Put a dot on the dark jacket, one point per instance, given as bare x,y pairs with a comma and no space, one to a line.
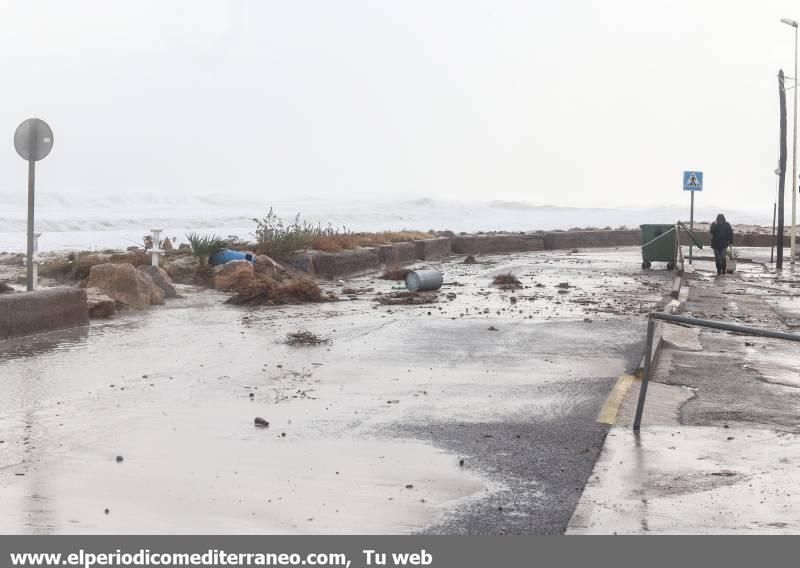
721,235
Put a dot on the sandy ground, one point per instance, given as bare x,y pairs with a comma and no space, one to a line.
367,432
718,449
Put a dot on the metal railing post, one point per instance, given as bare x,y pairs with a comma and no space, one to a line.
683,320
648,353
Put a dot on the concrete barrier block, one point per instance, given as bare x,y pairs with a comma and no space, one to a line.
24,313
397,253
430,249
333,265
588,239
497,244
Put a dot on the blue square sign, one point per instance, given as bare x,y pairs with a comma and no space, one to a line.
692,181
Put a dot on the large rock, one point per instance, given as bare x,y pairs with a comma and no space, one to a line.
181,269
161,279
100,305
125,285
5,288
234,276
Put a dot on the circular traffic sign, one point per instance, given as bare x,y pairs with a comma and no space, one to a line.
33,139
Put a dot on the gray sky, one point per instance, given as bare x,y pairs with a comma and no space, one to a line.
567,103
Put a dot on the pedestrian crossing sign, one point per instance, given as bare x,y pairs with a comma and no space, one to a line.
692,181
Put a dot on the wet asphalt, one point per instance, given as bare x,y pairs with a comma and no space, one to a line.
542,460
368,432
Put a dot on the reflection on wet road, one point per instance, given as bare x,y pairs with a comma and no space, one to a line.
366,433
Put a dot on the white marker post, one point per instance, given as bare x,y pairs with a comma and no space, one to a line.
35,260
155,252
692,181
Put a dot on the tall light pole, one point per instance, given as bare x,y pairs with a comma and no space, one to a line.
792,243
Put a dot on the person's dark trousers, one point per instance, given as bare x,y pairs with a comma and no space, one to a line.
719,258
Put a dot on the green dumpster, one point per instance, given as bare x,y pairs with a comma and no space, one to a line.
660,244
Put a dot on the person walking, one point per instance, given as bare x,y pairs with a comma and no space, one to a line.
721,239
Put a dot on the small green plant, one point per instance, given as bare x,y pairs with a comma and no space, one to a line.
203,246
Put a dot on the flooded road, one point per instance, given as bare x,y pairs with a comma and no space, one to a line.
411,419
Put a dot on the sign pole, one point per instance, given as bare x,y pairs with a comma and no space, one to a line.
31,183
691,227
33,141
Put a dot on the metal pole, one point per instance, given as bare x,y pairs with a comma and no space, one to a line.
648,353
736,328
31,182
772,250
781,169
792,242
691,228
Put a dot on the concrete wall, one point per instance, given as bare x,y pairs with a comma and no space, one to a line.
739,239
431,249
23,313
588,239
497,244
333,265
397,254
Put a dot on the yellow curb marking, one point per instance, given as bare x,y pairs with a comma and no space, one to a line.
608,414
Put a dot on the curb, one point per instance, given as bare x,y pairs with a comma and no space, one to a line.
669,305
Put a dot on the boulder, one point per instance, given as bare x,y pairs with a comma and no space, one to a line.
184,246
125,285
234,276
161,279
100,305
181,269
157,295
5,288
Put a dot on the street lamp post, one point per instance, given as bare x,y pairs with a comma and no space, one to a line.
792,242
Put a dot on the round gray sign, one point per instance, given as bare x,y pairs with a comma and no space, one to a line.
33,140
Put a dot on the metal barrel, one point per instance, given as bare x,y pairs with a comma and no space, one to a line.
424,280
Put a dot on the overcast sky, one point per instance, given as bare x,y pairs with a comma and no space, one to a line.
562,102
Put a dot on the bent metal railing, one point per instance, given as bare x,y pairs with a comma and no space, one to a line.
651,323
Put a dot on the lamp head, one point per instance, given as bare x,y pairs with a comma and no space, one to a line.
789,22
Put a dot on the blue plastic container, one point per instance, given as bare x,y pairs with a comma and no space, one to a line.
228,255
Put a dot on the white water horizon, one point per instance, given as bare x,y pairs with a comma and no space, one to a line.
72,222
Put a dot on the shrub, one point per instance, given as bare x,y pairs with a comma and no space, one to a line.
276,239
203,246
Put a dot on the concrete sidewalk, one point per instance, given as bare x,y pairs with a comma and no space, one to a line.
719,447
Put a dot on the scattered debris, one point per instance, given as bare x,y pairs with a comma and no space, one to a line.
260,422
493,328
410,298
270,294
395,274
305,337
356,291
507,281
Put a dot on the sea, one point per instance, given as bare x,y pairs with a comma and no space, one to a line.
81,222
